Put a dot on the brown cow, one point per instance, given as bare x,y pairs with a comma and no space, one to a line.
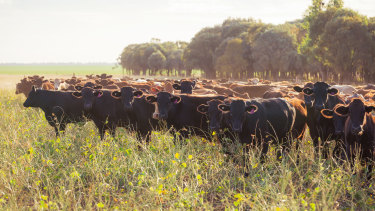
251,90
274,93
47,85
300,124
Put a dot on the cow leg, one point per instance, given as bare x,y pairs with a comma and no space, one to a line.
101,128
56,130
62,127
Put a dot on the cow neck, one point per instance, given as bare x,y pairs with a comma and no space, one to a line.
47,99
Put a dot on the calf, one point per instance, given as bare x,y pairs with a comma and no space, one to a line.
138,109
180,111
260,120
59,108
359,129
106,111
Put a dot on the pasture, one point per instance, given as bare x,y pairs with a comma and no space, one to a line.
58,69
79,171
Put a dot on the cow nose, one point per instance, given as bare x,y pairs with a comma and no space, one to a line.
163,116
155,115
127,107
357,130
319,107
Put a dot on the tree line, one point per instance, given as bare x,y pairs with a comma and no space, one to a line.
330,42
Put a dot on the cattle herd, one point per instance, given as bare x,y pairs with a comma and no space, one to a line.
254,112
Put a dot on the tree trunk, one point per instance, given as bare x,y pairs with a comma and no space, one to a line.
211,74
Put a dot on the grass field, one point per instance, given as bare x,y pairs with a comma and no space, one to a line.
60,69
79,171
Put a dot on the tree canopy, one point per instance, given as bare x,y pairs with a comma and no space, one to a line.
330,42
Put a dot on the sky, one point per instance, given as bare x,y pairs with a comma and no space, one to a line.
62,31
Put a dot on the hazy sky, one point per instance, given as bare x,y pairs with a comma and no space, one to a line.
98,30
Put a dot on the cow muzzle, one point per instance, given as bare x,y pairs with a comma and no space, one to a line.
358,131
127,107
163,116
319,107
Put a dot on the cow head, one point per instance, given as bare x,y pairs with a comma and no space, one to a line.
357,111
32,99
317,96
338,120
215,116
88,95
186,87
238,110
164,102
127,94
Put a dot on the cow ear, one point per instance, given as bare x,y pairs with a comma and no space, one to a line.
202,108
138,94
151,99
78,88
298,89
98,87
223,107
175,99
251,109
307,91
342,110
116,94
326,113
176,86
368,109
333,91
98,93
77,94
33,89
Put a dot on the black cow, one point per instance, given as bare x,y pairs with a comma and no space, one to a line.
339,128
185,86
320,97
180,111
359,129
106,111
338,121
59,108
261,120
138,109
218,122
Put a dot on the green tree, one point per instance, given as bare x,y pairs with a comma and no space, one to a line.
156,62
272,52
231,61
200,52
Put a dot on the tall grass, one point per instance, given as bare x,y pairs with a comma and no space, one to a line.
79,171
